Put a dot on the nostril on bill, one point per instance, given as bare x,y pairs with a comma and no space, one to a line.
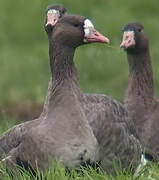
126,38
129,41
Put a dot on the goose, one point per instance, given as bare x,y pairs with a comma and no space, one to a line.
53,14
64,134
139,100
108,120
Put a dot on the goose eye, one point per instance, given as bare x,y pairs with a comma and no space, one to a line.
139,30
63,11
76,25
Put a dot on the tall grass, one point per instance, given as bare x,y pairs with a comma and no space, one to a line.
59,173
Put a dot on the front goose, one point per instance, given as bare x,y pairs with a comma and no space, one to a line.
115,133
64,134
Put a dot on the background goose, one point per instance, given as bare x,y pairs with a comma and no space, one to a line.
114,131
65,133
53,14
139,99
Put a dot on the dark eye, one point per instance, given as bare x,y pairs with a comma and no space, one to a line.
76,25
63,11
139,30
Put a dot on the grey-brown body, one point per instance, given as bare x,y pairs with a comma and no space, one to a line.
111,129
110,124
64,134
139,100
114,130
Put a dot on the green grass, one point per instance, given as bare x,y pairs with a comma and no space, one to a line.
24,62
58,172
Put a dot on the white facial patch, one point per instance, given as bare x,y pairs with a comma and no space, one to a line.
52,17
88,27
53,11
128,39
128,35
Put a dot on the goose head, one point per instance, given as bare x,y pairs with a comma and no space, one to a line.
74,30
134,38
53,14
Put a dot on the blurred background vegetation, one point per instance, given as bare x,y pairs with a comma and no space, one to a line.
24,61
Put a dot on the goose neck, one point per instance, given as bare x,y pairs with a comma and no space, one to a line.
140,87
